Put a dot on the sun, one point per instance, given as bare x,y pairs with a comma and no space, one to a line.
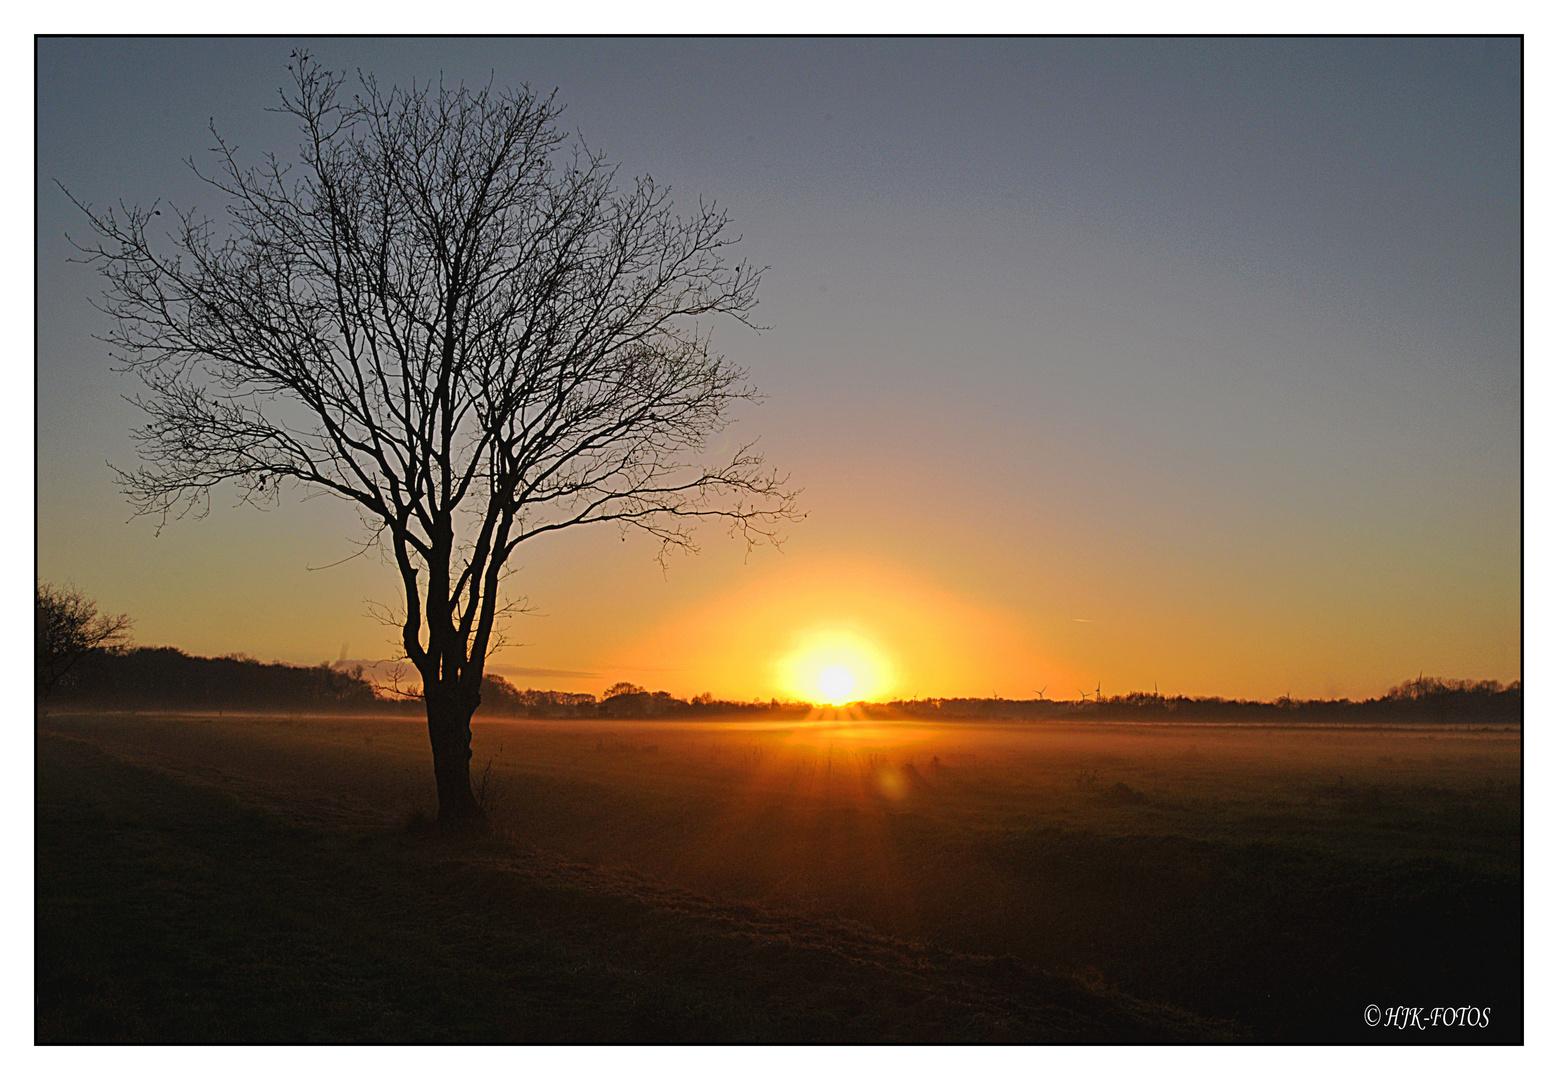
836,683
834,666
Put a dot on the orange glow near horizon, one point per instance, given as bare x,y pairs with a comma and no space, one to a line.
836,631
835,665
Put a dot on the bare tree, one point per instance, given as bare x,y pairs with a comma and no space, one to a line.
446,314
66,627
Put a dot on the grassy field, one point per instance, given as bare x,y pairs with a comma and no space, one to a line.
270,879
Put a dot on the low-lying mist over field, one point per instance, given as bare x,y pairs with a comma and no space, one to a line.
1274,878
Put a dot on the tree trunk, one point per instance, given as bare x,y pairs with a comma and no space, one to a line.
449,729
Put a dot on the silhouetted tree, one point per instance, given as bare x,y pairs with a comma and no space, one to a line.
66,627
443,315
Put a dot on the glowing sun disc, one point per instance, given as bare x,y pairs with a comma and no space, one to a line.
834,665
836,683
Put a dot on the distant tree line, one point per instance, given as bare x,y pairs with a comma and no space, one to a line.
166,678
1420,700
623,699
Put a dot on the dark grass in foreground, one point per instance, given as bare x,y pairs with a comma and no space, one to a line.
1278,879
169,912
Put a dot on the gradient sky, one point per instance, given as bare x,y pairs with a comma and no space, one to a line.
1187,363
